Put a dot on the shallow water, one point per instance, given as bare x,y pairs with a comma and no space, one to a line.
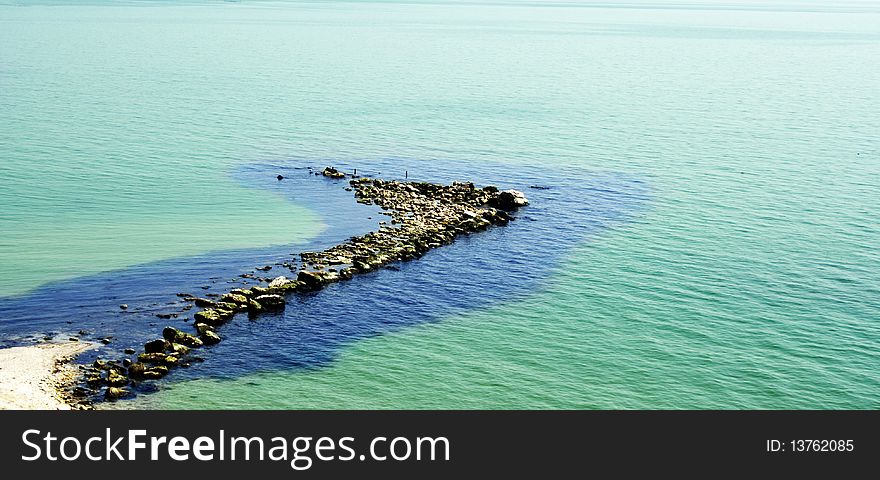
718,166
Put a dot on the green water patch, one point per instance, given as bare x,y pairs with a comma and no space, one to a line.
123,227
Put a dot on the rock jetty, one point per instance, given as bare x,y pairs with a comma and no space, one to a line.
422,216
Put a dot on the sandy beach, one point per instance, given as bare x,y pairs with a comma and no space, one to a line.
30,375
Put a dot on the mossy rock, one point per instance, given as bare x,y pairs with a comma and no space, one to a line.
210,316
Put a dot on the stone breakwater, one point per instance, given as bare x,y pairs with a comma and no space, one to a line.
422,216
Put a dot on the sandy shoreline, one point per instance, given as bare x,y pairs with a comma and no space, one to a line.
31,375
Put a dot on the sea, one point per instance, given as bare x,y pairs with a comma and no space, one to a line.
704,179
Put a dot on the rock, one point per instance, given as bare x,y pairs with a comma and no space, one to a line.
155,373
290,286
157,346
509,200
152,358
115,379
243,291
204,303
129,351
123,306
210,338
361,266
126,362
172,360
233,298
211,317
229,306
311,280
136,370
497,217
254,307
332,173
347,273
105,341
278,282
280,177
265,268
270,302
176,336
203,327
179,349
114,393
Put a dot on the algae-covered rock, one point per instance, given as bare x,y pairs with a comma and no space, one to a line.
243,291
179,349
233,298
311,280
270,302
332,173
209,316
254,307
203,327
136,370
204,303
210,338
155,373
114,393
152,358
116,379
174,335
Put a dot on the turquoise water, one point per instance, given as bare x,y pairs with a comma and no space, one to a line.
748,279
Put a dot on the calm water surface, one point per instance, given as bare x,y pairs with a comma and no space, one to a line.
709,239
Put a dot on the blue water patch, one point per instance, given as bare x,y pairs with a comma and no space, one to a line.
503,264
